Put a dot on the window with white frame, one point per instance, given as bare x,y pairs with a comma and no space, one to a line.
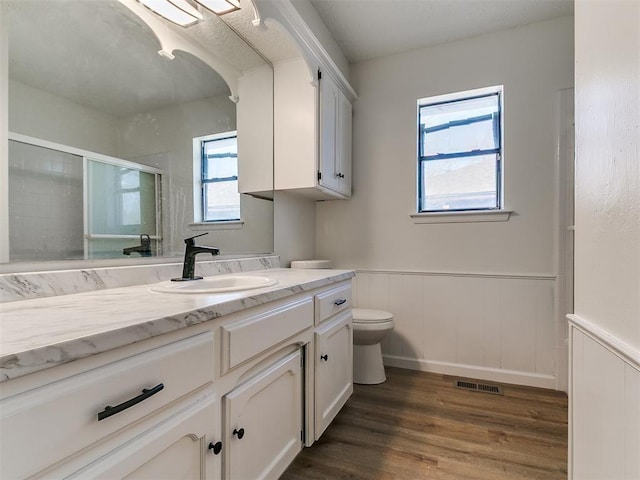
218,177
460,151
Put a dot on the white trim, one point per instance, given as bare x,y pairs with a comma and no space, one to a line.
85,208
570,422
314,53
622,350
472,371
38,142
468,216
509,276
225,225
464,94
115,236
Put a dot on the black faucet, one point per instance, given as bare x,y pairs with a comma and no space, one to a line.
189,267
144,249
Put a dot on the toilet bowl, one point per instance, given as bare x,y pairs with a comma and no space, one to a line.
369,328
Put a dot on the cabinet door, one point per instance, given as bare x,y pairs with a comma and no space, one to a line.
343,145
176,449
263,421
334,370
329,98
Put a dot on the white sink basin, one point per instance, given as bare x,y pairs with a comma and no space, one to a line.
221,284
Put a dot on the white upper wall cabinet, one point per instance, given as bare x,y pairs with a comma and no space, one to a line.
312,133
335,138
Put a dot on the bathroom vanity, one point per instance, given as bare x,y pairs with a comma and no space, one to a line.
131,383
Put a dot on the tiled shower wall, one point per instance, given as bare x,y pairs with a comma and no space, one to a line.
492,327
45,204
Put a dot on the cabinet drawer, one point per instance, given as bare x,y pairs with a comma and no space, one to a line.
332,301
250,336
43,426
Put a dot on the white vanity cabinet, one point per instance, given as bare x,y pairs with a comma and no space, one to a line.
236,397
107,421
176,448
263,421
334,355
312,133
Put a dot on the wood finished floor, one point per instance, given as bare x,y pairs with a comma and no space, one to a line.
418,426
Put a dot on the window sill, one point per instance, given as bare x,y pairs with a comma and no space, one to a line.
202,226
462,217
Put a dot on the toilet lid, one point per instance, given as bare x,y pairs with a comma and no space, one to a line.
366,315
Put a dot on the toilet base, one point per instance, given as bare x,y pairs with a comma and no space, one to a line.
368,368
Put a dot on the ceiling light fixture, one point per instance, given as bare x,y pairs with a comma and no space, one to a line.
220,7
183,13
179,12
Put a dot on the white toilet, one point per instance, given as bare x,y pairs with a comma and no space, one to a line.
369,328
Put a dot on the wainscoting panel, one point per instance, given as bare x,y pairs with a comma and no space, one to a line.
604,406
493,327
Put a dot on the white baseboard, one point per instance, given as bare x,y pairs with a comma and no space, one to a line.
472,371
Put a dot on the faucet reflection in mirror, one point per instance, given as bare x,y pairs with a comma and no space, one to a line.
183,13
144,249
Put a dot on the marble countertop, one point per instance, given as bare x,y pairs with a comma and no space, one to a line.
41,333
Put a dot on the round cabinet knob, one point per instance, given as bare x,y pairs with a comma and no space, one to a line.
238,433
216,447
324,357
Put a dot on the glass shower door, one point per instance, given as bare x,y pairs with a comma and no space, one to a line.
122,215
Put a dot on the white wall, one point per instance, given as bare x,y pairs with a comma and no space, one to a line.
605,362
374,233
42,115
608,168
294,227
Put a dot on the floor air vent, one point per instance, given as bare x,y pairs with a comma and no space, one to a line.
478,387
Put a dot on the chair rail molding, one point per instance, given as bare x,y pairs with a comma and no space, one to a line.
511,276
612,343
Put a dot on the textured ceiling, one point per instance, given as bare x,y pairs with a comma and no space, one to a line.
98,54
366,29
273,43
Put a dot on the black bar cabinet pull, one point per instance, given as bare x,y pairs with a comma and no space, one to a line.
340,302
146,393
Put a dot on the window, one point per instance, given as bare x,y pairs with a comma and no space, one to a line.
218,177
460,151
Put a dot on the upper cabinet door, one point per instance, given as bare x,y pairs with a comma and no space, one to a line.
329,122
343,144
335,138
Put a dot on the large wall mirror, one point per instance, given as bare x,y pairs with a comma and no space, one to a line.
117,152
